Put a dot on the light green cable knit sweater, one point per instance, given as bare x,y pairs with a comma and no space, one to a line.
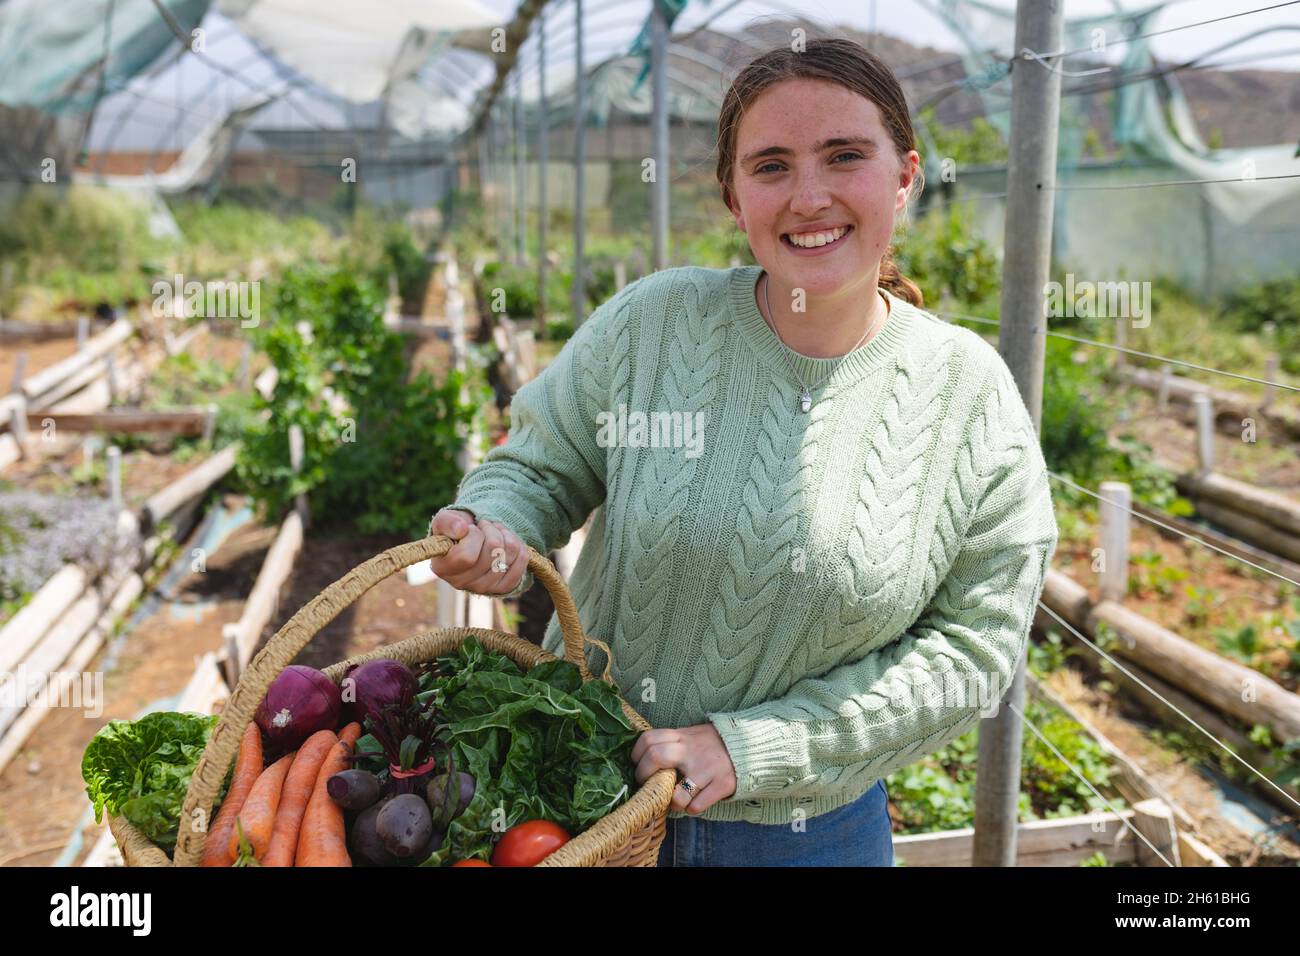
822,586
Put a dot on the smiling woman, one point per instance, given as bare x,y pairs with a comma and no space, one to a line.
861,524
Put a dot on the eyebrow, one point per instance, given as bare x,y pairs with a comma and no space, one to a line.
817,148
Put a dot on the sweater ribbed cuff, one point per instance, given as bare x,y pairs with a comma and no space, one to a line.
760,751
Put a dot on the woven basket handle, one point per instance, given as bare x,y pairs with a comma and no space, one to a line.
311,618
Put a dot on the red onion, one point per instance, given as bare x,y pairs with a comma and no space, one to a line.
301,701
370,687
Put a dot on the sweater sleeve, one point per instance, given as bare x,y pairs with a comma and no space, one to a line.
549,475
858,722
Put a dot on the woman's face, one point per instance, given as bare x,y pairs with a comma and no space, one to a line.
788,179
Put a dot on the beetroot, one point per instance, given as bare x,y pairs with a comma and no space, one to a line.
370,687
301,701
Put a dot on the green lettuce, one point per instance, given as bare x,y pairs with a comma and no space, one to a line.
141,769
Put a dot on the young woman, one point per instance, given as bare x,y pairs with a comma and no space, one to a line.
822,519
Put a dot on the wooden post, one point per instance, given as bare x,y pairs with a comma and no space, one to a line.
210,424
1031,181
1271,372
296,449
245,359
234,666
1155,821
20,369
88,446
1121,340
1204,432
83,330
1162,393
18,424
115,476
1116,503
114,384
620,275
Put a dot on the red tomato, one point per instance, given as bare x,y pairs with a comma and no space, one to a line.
473,862
528,843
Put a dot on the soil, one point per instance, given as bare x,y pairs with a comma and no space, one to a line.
389,612
40,355
1271,461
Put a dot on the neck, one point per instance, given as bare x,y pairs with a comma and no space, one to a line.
830,326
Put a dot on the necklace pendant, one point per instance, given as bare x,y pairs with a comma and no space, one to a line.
805,401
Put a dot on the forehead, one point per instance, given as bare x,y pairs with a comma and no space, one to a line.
797,110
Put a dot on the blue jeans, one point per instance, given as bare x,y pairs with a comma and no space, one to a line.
856,834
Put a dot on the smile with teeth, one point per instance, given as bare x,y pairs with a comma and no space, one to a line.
813,240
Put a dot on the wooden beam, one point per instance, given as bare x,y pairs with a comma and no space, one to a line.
188,487
1059,842
95,348
179,422
1211,677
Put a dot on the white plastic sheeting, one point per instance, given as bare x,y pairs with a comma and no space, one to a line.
355,50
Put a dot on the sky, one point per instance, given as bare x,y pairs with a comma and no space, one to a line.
614,23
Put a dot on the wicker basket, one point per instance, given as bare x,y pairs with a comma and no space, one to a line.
630,836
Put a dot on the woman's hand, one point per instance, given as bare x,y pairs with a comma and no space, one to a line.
698,753
468,566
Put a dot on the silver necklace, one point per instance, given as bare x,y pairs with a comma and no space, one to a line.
805,391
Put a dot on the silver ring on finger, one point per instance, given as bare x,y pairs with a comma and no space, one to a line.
500,566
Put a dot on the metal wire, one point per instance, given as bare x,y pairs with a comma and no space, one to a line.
1129,351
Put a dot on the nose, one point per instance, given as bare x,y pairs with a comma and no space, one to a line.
811,194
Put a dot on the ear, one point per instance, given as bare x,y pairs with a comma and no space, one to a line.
729,198
910,165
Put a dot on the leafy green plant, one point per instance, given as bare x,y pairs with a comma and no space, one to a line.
1200,602
1240,643
384,459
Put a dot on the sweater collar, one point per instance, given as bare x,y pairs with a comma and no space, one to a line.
877,352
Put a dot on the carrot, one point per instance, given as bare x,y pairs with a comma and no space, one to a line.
293,798
321,838
350,735
248,767
257,815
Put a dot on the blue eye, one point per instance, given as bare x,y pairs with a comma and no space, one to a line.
852,154
855,155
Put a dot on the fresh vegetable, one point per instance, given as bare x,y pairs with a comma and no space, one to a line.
141,769
294,796
322,839
301,701
402,741
472,862
363,840
448,795
369,688
354,789
248,767
404,825
349,735
529,843
544,745
257,815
